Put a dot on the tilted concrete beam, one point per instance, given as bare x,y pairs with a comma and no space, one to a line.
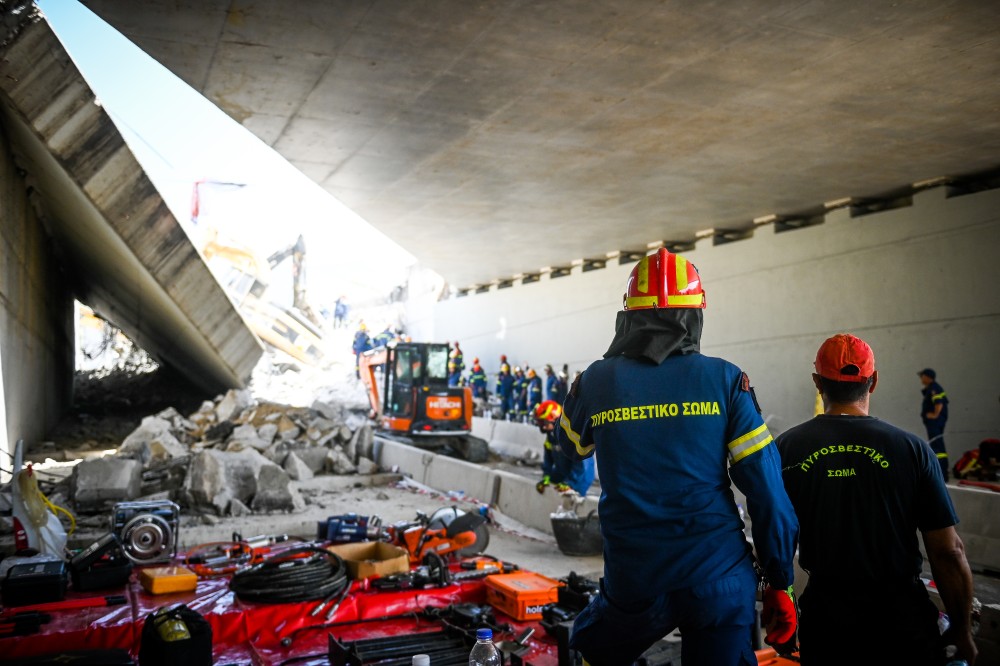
124,251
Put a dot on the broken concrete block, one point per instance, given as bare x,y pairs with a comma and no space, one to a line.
273,492
217,477
360,444
244,432
314,457
177,420
344,433
245,437
328,410
287,430
268,432
318,428
296,469
152,442
238,509
367,466
338,463
100,482
233,404
220,431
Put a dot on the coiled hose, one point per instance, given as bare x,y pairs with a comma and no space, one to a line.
304,573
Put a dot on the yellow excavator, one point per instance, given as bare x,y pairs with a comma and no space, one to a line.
245,278
411,401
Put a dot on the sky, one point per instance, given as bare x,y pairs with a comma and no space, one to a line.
180,138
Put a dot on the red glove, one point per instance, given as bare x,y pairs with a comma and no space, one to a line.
779,617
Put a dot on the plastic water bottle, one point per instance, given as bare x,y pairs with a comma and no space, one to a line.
484,653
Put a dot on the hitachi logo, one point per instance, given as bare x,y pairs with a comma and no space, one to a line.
444,403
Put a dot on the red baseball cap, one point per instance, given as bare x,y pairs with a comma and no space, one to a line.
845,358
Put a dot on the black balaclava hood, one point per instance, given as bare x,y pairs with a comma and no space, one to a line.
656,333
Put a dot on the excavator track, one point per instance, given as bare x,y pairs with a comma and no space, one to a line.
465,447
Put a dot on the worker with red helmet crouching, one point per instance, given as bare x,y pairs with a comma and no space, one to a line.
670,428
559,470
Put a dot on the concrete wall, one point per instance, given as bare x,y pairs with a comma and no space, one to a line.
36,316
919,283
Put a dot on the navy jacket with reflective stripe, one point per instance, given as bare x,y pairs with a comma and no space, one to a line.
668,438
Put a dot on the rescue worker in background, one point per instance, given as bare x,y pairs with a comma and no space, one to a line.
520,395
477,379
362,343
532,391
552,385
670,428
456,356
384,338
862,488
454,374
558,469
505,389
934,414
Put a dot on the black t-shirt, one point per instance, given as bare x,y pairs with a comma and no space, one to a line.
862,488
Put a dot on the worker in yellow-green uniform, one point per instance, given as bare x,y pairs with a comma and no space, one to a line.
672,431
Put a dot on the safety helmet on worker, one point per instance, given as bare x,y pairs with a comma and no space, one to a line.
548,410
663,280
531,373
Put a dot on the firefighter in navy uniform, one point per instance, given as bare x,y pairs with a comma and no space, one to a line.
670,428
559,470
532,391
477,380
934,414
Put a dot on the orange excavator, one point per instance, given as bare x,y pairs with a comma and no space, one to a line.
411,401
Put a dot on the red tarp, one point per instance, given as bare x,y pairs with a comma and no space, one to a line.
250,632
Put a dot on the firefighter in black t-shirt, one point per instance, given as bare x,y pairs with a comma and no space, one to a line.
862,489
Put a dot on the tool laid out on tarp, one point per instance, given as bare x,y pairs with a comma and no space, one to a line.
34,582
100,565
147,530
349,528
23,624
303,573
71,604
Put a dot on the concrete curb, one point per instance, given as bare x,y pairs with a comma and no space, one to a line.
512,495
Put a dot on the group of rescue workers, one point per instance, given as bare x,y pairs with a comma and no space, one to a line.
672,428
518,392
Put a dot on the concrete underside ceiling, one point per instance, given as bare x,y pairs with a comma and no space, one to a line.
124,253
493,139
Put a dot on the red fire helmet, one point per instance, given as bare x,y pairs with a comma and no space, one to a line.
663,280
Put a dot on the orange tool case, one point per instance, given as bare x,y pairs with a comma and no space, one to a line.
522,594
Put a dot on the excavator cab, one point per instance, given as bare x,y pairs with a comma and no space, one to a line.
408,390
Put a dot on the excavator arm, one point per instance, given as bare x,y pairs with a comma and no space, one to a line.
366,367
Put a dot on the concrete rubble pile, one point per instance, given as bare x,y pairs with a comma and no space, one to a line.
232,457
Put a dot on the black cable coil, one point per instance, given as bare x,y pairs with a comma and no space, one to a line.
289,577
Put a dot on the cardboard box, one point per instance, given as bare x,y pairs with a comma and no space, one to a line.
522,594
372,558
